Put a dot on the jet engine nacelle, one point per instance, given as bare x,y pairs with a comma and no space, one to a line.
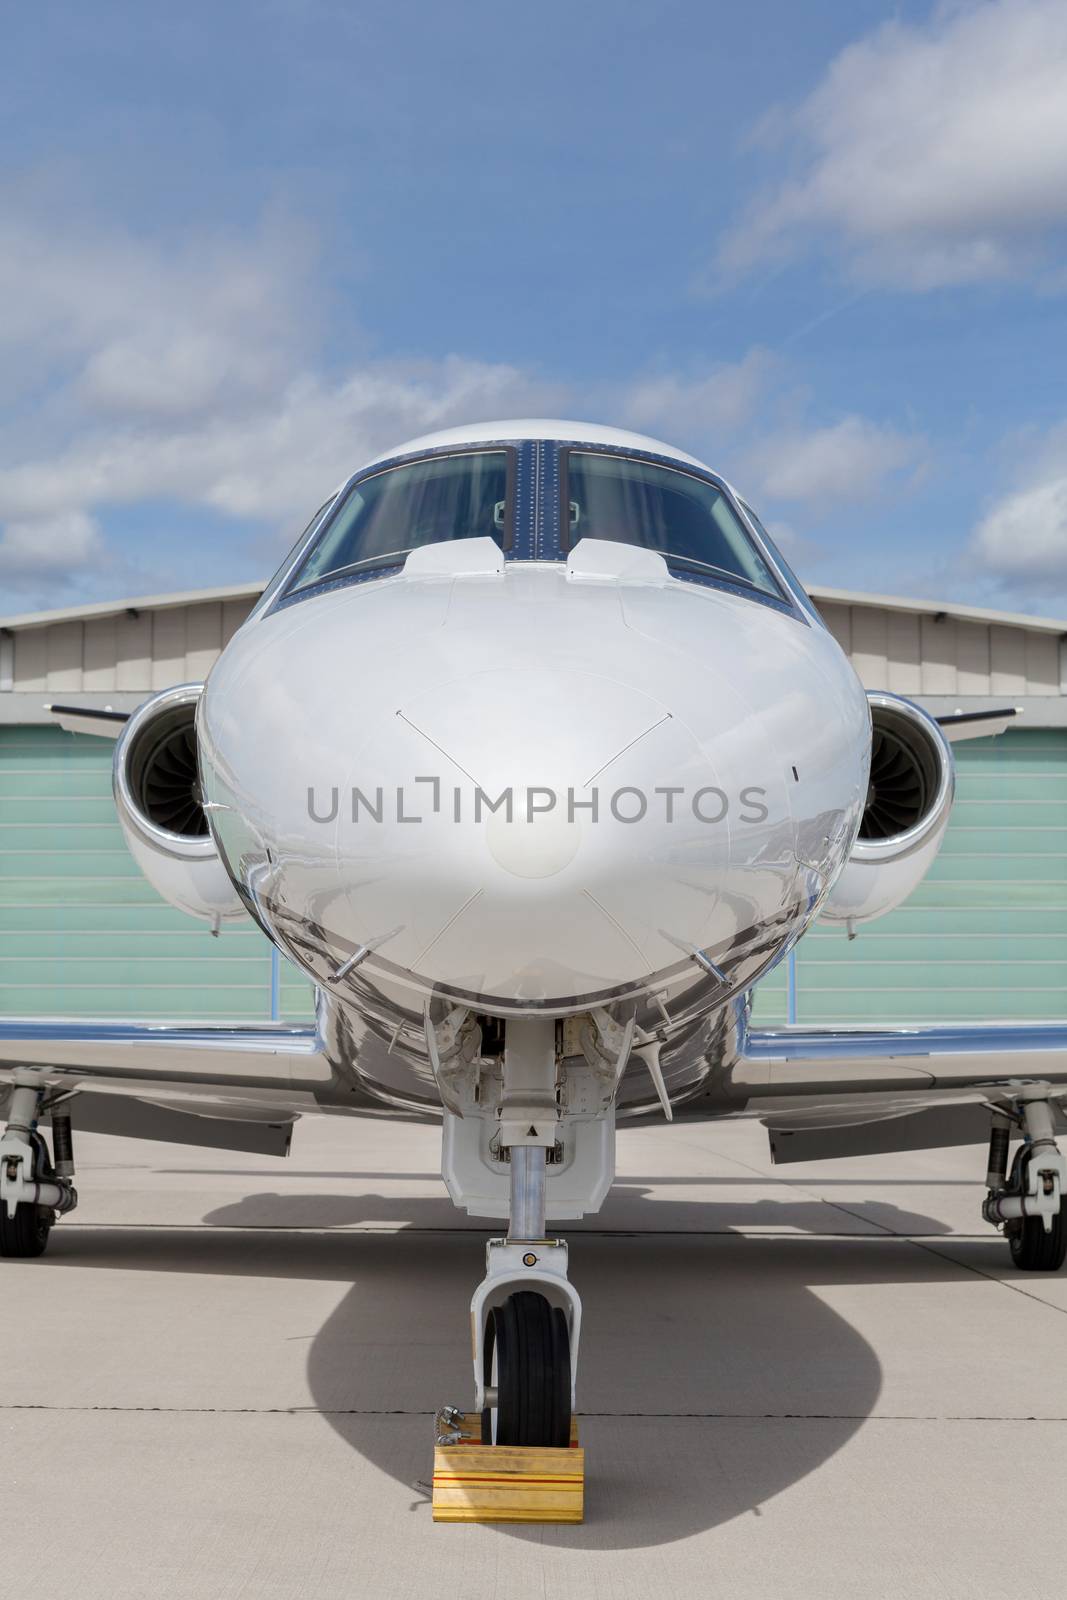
909,798
157,794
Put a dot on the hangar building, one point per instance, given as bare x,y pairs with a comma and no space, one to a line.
82,934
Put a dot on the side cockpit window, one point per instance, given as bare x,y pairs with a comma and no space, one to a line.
776,554
275,584
689,520
386,515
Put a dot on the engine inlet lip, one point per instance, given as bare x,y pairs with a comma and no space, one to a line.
127,772
904,716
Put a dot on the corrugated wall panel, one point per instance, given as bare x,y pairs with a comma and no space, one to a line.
100,653
905,656
1042,663
133,665
31,660
168,647
203,641
937,647
909,652
1007,659
972,661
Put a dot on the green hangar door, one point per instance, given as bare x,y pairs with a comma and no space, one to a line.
984,937
81,932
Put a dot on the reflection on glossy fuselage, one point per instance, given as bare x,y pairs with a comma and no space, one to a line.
533,727
532,790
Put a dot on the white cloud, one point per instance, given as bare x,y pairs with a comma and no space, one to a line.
275,462
847,462
1023,539
57,549
1018,550
192,376
156,328
162,376
702,408
936,152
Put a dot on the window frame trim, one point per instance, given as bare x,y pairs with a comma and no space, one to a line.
279,579
785,574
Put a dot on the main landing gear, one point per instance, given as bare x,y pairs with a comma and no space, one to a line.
1030,1201
34,1190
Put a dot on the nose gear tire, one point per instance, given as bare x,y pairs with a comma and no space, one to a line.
528,1361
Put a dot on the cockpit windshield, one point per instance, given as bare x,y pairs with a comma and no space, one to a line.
385,516
687,519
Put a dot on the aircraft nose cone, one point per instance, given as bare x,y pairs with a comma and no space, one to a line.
520,788
538,839
533,843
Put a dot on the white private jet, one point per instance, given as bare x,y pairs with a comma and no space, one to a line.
535,757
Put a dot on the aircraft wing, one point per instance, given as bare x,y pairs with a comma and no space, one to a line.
264,1055
217,1085
101,721
959,725
838,1091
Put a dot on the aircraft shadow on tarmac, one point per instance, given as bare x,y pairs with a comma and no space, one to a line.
632,1207
709,1358
714,1370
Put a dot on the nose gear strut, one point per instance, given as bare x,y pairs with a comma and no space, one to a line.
525,1315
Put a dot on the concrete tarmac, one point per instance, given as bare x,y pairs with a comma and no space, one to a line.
806,1381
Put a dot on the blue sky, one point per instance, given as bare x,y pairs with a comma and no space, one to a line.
244,247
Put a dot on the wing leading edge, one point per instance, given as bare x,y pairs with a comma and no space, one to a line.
270,1056
840,1091
218,1086
840,1060
820,1091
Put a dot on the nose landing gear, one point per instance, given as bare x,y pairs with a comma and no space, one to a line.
1030,1202
525,1314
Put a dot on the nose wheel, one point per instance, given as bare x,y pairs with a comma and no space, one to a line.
525,1314
527,1372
